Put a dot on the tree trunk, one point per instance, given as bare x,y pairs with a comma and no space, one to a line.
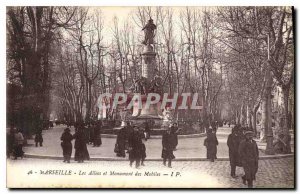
287,137
249,117
254,118
268,112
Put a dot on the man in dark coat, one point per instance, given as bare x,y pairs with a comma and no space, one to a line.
211,143
97,134
168,145
66,144
174,133
81,152
120,143
135,147
147,130
248,152
143,154
38,139
233,143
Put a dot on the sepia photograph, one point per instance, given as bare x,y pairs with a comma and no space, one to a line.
150,97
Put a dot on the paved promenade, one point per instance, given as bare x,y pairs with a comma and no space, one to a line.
187,147
194,169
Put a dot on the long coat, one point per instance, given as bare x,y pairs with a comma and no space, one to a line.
97,135
248,152
136,146
38,137
18,144
233,143
174,135
121,139
81,152
211,143
168,144
66,144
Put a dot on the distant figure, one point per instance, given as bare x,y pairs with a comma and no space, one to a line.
38,139
213,125
248,152
120,143
135,147
211,143
280,145
174,133
147,131
66,144
18,145
149,32
50,124
233,143
81,152
168,145
91,137
128,132
143,154
97,134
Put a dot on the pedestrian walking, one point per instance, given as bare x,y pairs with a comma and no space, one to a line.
81,152
18,145
174,134
211,143
91,134
66,144
233,143
120,143
97,134
248,152
168,145
135,147
38,139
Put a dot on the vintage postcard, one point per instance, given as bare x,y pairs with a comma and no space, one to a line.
150,97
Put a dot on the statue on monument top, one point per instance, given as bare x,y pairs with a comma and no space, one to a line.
149,32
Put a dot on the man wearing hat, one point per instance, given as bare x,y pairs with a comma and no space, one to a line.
233,143
135,147
248,152
174,134
66,144
168,145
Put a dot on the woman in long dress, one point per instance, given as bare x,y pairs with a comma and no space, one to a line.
81,152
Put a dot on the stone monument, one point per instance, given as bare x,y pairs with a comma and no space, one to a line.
149,82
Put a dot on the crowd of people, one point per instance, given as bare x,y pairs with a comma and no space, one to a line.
243,150
89,134
130,139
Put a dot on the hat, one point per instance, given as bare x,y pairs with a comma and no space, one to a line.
248,132
67,130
